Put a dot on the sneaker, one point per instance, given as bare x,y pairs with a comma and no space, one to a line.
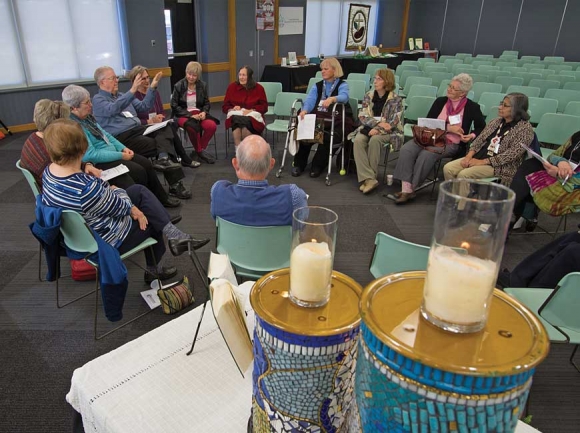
163,164
179,191
194,164
206,157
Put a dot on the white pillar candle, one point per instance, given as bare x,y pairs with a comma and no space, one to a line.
458,287
310,271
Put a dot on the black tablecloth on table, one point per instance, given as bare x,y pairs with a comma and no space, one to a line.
358,65
293,79
417,54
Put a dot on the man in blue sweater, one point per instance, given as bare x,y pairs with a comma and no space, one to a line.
252,201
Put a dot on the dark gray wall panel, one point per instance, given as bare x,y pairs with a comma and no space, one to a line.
539,26
146,22
568,42
460,26
246,35
498,26
213,21
426,21
390,22
293,43
217,82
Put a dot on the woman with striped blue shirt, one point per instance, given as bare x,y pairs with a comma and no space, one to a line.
121,218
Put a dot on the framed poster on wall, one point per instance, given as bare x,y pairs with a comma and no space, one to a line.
357,28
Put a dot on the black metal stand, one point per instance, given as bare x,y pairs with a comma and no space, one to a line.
203,275
5,127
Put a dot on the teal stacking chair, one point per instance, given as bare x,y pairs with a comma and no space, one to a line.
463,55
463,68
412,81
357,89
437,77
254,251
449,63
477,63
489,100
486,69
544,85
402,68
417,106
283,109
556,308
445,57
540,106
318,74
442,90
507,58
372,68
573,108
507,81
435,67
424,61
554,59
530,66
545,73
529,59
513,69
503,65
563,97
555,129
572,85
421,90
492,113
484,56
78,236
392,255
494,74
479,88
479,78
360,77
407,74
311,83
562,79
272,90
510,53
560,67
530,92
527,76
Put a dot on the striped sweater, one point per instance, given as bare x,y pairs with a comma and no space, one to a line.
104,209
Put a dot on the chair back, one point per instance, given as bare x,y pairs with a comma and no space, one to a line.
318,74
421,90
554,59
530,92
544,85
492,113
418,106
437,77
445,57
563,97
572,85
354,108
529,59
357,89
562,79
463,55
29,178
494,74
401,68
311,83
489,100
393,255
531,66
477,63
424,61
486,69
432,67
540,106
573,108
412,81
562,306
502,65
527,76
479,88
254,251
460,68
510,53
360,77
484,56
480,78
507,81
449,63
272,90
407,74
76,233
372,67
284,101
555,128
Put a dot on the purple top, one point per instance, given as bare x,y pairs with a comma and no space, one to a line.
156,108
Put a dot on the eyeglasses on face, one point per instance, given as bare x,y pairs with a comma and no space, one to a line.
113,78
503,104
455,89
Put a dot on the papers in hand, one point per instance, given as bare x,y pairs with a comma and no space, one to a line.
536,155
156,126
431,123
114,172
306,127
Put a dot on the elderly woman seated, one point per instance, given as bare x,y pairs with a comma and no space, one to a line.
381,123
463,121
498,150
108,152
121,218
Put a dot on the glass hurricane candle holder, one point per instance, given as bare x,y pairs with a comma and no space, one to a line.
471,224
312,255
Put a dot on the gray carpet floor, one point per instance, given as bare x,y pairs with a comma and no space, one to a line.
41,346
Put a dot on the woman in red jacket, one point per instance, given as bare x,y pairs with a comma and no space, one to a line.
245,104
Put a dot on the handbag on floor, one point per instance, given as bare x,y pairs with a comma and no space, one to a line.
82,271
426,137
175,297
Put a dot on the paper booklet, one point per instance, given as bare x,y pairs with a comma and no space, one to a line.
230,304
114,172
156,126
536,155
431,123
306,127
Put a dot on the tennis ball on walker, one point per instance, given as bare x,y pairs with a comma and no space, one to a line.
342,172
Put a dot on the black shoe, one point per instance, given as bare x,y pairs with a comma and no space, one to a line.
165,274
180,246
163,164
171,202
175,219
206,157
315,173
179,191
531,225
296,171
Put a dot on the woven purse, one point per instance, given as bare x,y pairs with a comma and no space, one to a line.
176,297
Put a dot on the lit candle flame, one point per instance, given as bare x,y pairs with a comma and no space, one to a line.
465,245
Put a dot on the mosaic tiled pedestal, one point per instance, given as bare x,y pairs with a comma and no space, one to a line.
412,376
304,358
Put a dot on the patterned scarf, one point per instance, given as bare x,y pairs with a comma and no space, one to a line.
454,111
90,124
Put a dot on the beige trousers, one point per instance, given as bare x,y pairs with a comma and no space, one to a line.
367,153
454,170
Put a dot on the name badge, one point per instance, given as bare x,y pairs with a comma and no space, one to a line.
127,114
320,107
494,145
455,120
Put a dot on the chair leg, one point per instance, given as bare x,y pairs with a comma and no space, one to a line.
386,161
576,366
59,305
40,263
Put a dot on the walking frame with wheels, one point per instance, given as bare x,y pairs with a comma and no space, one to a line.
292,125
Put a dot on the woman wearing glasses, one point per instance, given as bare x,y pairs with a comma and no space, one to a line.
498,150
463,122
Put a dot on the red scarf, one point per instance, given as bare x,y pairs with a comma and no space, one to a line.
451,111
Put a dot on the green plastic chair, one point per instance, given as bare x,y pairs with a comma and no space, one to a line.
540,106
372,68
563,97
412,81
480,87
311,83
486,69
556,129
478,63
513,69
445,57
572,85
484,56
502,65
574,65
530,92
544,85
442,90
407,74
422,90
438,77
573,108
510,53
490,99
272,90
318,74
556,308
545,73
402,68
460,68
424,61
560,67
492,113
283,108
435,67
554,59
494,74
480,78
254,251
463,55
357,89
529,59
530,66
527,76
392,255
507,81
360,77
449,63
78,236
507,58
562,79
417,106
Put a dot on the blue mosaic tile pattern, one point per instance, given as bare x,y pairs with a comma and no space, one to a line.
387,401
301,383
444,380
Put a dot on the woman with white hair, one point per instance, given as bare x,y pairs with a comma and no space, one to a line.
105,151
463,122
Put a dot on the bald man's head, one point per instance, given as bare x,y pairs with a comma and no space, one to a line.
253,158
